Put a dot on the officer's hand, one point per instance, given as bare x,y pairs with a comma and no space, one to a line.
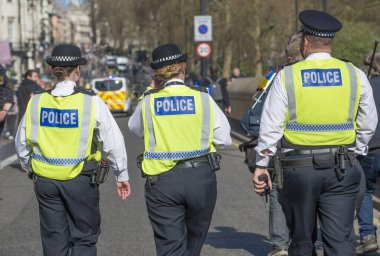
123,189
228,110
260,185
3,114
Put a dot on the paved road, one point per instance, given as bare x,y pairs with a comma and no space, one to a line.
239,226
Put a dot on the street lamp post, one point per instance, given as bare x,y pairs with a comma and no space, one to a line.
203,60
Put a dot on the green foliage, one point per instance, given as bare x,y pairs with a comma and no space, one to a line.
355,41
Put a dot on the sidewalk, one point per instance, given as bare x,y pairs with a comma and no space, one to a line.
7,152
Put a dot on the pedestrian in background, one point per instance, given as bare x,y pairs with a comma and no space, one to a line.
180,126
217,88
322,112
6,98
26,89
60,142
371,167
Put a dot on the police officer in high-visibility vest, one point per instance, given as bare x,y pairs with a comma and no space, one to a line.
60,140
322,112
180,126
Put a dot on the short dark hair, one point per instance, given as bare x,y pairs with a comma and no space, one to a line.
29,72
318,42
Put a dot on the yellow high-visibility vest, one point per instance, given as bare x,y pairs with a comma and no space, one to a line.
178,124
323,99
60,131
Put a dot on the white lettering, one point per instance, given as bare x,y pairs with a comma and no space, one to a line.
73,118
66,118
166,105
51,117
320,79
44,115
306,77
313,77
336,77
190,105
159,105
329,76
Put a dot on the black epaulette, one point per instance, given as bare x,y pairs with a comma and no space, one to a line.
344,60
199,88
152,91
291,63
84,91
41,91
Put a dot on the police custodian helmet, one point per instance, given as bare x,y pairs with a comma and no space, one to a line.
66,55
319,23
167,54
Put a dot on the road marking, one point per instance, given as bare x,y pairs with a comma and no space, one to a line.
8,161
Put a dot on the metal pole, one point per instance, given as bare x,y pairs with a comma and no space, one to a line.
324,5
203,60
296,14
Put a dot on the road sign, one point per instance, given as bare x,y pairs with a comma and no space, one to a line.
202,28
203,50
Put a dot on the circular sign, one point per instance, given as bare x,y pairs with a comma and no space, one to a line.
203,50
203,29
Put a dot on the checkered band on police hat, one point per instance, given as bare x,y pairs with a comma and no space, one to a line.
173,57
317,33
64,58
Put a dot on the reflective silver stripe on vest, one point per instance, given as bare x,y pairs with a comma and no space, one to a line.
148,113
34,122
205,119
85,129
353,91
289,84
178,155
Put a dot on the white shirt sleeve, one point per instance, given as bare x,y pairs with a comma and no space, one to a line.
135,122
366,119
23,149
222,127
272,121
112,140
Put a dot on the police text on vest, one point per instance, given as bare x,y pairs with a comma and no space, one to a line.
321,77
175,105
62,118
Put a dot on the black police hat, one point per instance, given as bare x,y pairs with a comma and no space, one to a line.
165,55
319,23
66,55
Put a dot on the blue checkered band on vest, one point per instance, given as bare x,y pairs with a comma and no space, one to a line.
320,127
58,161
176,155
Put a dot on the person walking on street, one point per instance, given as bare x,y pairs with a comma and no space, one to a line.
6,98
180,126
217,88
26,89
322,112
371,167
60,142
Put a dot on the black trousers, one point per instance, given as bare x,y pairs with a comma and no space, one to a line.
309,193
180,206
69,216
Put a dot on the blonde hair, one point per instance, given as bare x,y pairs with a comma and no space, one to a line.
166,73
375,70
293,48
62,72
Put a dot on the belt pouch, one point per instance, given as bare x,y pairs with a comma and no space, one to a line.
324,161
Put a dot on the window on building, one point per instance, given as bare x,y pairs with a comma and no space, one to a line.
11,22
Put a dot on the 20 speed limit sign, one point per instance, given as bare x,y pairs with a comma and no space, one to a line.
203,50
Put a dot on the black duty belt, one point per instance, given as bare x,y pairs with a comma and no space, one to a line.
297,152
193,163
